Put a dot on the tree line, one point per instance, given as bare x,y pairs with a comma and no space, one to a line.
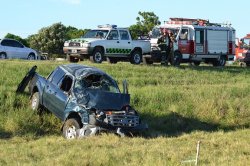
51,39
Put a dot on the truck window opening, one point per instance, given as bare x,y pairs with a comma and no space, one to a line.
99,82
66,84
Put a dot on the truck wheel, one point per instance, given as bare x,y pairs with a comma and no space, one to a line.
176,59
3,55
220,62
97,56
111,60
69,128
147,61
248,64
136,57
35,101
31,56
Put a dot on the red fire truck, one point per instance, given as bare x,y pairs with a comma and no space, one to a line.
242,50
198,41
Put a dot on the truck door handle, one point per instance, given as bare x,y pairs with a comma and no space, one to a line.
118,42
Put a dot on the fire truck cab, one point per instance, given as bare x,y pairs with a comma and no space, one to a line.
242,50
197,41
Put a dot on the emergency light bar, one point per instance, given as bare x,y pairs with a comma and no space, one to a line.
187,21
190,21
107,26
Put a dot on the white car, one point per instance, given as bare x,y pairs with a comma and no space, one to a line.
10,48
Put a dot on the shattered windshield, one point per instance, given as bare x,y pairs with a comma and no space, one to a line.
98,82
101,34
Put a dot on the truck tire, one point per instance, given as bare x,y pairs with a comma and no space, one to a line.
69,128
111,60
72,59
136,57
35,102
220,62
175,60
3,55
97,56
21,87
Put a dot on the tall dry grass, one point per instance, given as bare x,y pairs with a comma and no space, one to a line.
181,106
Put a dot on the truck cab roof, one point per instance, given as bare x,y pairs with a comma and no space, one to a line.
82,70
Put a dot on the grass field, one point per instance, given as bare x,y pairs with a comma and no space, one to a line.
181,106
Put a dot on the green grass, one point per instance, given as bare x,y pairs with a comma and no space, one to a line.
181,106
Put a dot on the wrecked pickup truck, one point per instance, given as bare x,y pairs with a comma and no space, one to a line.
86,99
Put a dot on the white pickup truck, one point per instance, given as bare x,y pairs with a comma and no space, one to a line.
107,42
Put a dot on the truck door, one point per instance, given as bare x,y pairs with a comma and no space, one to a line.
200,45
50,93
62,95
125,42
112,43
185,45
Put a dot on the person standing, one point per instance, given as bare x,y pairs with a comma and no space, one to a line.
164,44
171,46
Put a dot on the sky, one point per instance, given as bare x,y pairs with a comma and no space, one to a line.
26,17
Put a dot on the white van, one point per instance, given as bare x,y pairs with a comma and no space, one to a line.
10,48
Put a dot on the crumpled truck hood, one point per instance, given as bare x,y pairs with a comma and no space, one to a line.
102,100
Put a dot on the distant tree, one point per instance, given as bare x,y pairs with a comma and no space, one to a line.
137,30
145,23
49,39
72,32
18,38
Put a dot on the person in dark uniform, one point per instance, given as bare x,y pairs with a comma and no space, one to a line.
164,43
171,46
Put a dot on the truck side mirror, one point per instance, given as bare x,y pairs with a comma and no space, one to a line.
125,87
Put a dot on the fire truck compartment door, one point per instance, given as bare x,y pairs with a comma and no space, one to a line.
200,41
217,41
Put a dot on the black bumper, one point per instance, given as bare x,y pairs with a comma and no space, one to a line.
138,128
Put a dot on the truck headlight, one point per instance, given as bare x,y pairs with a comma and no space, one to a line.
66,44
86,44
